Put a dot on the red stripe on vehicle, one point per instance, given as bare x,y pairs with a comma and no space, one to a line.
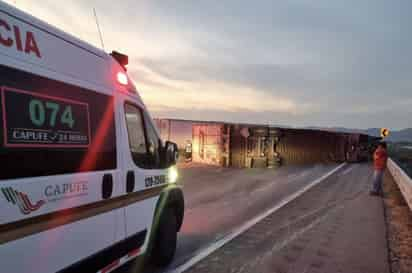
23,204
111,266
26,201
134,252
39,204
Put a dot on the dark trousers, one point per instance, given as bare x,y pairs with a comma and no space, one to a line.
377,180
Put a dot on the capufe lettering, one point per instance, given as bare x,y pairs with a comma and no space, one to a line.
65,189
32,136
23,41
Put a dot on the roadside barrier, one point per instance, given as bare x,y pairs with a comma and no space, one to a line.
403,180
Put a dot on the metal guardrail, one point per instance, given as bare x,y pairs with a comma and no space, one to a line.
403,180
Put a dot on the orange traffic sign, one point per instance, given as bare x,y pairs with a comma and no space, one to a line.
384,132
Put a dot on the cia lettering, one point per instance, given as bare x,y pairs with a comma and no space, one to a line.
23,41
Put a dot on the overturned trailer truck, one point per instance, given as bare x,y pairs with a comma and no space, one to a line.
271,147
254,146
262,146
235,145
178,131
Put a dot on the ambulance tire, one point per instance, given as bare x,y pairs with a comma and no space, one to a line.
166,239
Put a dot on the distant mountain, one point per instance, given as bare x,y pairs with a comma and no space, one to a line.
404,135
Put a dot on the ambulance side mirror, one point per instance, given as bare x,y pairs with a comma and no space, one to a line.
171,153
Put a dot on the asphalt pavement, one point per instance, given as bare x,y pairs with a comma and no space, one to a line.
219,200
336,226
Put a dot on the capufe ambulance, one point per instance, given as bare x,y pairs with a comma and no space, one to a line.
86,184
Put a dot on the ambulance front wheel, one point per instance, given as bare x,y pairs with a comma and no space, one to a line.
166,239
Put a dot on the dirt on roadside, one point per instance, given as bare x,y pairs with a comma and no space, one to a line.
399,227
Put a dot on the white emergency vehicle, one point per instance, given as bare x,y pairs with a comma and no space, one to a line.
86,184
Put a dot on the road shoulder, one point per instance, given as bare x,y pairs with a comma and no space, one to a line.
399,226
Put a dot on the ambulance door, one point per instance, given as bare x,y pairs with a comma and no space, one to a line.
141,174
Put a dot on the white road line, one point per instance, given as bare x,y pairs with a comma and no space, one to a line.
203,253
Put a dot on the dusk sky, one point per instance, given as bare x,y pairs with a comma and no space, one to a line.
297,63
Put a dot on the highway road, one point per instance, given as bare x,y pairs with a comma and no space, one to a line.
220,200
336,226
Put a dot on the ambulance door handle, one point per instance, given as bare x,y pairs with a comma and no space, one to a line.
130,181
107,186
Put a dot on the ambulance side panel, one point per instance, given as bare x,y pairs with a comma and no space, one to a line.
58,151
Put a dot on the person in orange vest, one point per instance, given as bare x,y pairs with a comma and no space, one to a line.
380,157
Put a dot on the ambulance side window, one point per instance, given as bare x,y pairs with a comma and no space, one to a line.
153,144
135,129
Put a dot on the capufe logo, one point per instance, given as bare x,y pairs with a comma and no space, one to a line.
12,36
21,200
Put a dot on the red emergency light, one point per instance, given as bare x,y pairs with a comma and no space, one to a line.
122,78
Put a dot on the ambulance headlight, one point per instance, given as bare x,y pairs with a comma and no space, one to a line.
173,174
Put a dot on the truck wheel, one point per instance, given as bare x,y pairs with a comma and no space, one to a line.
166,238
